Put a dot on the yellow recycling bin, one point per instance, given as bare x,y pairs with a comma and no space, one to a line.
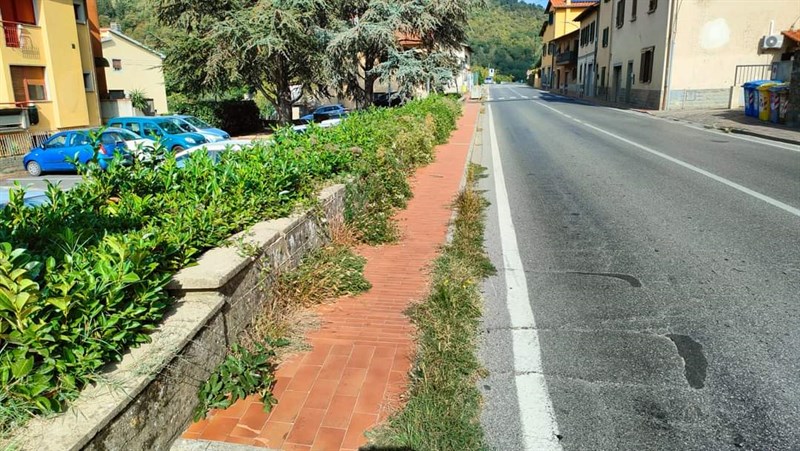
763,101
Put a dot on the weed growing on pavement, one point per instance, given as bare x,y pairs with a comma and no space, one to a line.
324,275
443,403
241,374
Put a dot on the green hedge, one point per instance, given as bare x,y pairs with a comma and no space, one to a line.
83,278
237,117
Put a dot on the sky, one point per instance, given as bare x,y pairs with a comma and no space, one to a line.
537,2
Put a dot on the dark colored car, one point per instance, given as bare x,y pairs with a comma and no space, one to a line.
386,99
325,112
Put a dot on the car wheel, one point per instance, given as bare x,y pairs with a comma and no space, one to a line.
34,169
177,149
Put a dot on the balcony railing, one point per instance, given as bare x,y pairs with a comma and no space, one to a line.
12,32
568,57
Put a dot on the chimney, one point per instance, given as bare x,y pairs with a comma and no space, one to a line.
115,27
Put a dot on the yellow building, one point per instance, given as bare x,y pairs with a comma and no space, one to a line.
48,62
560,45
134,66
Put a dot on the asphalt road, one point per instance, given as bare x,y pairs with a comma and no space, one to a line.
662,265
66,181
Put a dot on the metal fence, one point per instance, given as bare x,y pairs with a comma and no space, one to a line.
750,72
19,143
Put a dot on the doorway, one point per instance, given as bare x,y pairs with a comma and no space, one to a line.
629,82
617,80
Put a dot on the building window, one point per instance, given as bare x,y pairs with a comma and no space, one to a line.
550,19
646,66
28,83
116,64
80,11
592,32
20,11
88,82
620,13
653,6
605,37
634,7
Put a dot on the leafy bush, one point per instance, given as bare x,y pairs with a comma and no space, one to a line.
237,117
83,278
241,374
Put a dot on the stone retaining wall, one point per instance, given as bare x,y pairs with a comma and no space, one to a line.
146,401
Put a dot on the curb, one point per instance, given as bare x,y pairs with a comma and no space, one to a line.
463,182
735,130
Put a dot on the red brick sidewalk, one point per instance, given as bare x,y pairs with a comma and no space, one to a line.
357,368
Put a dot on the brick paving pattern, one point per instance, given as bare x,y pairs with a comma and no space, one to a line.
357,367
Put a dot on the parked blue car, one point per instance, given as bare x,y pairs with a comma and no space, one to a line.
198,125
55,153
171,135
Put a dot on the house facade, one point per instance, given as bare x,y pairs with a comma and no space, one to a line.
133,66
682,54
50,68
587,50
558,67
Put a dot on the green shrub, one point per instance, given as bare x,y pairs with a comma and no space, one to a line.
241,374
237,117
83,278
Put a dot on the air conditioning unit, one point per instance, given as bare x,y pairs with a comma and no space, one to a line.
773,41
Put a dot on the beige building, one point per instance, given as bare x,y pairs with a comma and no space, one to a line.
558,66
676,54
132,66
587,49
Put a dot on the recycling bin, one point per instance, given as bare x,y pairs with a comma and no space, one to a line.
751,97
764,101
779,103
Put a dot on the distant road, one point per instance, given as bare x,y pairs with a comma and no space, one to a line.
67,181
652,272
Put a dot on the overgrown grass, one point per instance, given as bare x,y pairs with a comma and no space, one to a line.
324,275
443,407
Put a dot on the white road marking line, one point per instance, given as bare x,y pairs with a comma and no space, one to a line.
753,139
501,98
723,180
539,425
739,136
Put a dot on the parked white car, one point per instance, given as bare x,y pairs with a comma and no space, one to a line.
214,149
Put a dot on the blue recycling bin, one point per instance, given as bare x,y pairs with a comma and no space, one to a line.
751,96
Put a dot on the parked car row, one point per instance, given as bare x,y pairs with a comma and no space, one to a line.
126,135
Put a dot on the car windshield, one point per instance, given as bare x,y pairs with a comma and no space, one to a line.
127,135
185,126
171,127
199,123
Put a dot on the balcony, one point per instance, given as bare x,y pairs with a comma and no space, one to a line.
12,31
567,58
